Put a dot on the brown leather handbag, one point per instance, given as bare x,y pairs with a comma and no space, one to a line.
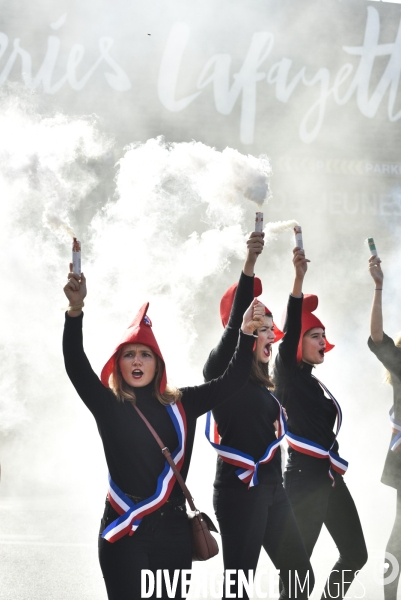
204,545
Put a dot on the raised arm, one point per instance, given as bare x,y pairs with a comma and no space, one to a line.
254,246
79,370
221,355
202,398
376,315
379,343
244,293
300,267
287,352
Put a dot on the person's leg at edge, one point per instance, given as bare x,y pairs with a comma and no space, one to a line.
394,548
284,545
242,516
344,526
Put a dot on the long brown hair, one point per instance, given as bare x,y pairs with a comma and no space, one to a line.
387,374
260,371
123,391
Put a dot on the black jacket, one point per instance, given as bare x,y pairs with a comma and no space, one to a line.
133,457
310,414
246,422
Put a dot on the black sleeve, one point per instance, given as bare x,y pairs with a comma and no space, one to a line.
221,355
287,351
200,399
83,378
388,353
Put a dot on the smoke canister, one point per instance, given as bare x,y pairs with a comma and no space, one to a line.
372,247
298,236
76,256
259,222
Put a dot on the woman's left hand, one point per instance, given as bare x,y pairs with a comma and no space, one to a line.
75,290
253,317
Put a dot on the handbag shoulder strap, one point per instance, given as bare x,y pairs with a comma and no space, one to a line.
167,455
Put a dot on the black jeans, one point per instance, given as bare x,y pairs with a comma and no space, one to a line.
314,502
262,516
162,541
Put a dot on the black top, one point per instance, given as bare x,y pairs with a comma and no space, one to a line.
310,413
390,355
133,457
246,422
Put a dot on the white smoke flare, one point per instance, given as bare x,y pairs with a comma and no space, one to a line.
272,230
56,224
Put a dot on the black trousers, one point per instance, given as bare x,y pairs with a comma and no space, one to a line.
315,502
162,541
262,516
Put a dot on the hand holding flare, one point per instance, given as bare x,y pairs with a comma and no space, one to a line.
75,290
376,271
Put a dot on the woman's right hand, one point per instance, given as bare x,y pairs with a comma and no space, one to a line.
300,266
376,271
253,317
300,262
75,289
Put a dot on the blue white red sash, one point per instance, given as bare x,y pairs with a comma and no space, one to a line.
131,513
306,446
248,468
395,445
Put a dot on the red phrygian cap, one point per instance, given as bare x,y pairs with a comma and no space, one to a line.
139,332
309,321
228,299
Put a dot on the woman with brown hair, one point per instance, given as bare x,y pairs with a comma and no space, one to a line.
389,354
250,502
144,525
313,477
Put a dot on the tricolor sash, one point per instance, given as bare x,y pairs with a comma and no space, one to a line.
306,446
131,513
395,445
248,468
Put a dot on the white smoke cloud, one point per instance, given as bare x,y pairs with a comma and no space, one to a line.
44,178
178,221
